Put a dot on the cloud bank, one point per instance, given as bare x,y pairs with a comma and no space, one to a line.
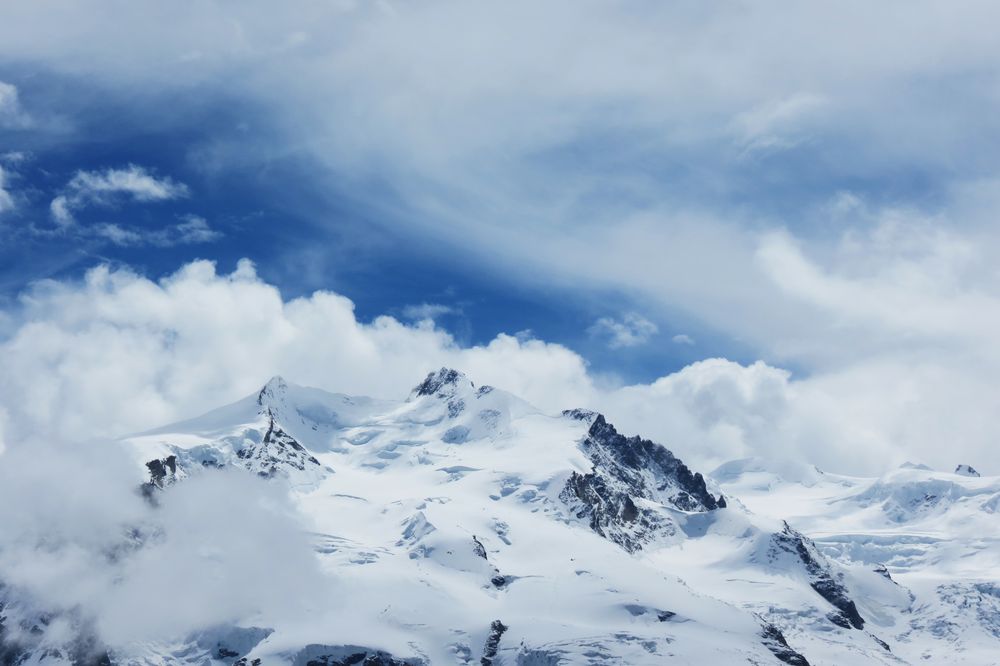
80,542
118,353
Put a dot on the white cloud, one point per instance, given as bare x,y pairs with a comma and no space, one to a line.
6,199
118,353
193,229
60,209
431,311
116,233
66,510
109,187
12,115
14,157
682,339
190,231
776,124
631,330
902,283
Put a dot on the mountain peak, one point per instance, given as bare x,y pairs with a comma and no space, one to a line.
444,380
587,416
274,387
966,470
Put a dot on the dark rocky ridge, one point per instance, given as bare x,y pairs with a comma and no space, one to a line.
277,449
438,382
341,655
497,630
627,469
445,384
822,579
774,640
162,471
499,581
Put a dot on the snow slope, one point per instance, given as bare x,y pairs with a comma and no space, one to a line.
462,525
934,535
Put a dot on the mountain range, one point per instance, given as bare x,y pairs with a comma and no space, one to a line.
463,526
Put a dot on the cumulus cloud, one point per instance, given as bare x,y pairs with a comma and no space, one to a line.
117,353
109,187
631,330
682,339
80,542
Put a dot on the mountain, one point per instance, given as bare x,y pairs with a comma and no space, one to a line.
462,525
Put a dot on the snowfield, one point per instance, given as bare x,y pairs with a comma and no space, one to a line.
463,526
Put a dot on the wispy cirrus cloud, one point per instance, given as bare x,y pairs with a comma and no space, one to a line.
191,230
109,188
777,124
428,311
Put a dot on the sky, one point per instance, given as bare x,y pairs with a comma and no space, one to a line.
744,229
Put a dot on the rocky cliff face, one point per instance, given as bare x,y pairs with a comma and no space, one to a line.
631,480
822,577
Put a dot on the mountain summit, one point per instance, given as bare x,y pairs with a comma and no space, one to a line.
442,383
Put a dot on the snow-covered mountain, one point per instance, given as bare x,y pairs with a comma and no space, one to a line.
461,525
